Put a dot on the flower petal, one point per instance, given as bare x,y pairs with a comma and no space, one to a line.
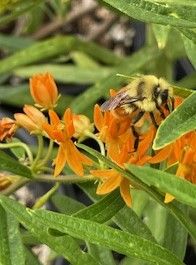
68,119
54,118
125,191
98,117
73,158
109,184
161,155
60,160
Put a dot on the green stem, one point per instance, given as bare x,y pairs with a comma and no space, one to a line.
68,179
43,199
19,144
39,151
100,143
47,157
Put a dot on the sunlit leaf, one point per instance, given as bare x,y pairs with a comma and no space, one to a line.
100,234
179,122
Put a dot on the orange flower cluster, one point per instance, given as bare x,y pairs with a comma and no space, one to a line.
114,132
117,135
44,91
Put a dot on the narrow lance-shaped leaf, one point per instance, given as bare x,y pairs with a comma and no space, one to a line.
190,47
54,47
154,12
100,234
11,165
66,73
179,122
11,248
64,245
103,210
183,190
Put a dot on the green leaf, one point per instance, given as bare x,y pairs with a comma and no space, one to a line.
102,255
11,248
178,123
43,50
14,43
66,73
66,204
154,12
161,33
175,235
95,233
129,66
64,245
19,152
165,228
84,61
190,48
103,210
183,190
11,165
188,81
128,221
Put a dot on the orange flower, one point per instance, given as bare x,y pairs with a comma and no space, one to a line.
7,128
184,152
112,131
44,90
61,132
32,120
111,179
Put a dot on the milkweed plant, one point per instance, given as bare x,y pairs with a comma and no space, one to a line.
142,199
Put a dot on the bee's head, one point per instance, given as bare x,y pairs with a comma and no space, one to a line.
162,92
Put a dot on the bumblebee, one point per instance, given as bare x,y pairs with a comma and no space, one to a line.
144,94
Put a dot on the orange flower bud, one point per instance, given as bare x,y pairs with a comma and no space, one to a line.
44,90
24,121
32,120
7,128
81,125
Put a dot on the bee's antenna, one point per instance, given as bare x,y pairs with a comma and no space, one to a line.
134,76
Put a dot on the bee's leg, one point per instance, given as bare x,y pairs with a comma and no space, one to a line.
153,120
136,135
161,111
137,117
172,101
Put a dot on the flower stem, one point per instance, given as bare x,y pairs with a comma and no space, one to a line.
43,199
100,143
47,157
39,151
68,179
19,144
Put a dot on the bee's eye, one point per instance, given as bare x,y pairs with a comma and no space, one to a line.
164,95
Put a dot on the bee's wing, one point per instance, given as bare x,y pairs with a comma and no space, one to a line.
118,100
